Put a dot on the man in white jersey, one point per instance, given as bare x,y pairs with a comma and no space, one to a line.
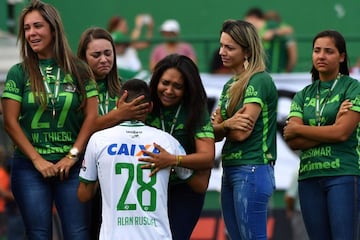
134,205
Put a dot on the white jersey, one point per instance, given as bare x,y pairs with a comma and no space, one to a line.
134,206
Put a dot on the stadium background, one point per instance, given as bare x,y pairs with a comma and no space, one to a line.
201,20
200,23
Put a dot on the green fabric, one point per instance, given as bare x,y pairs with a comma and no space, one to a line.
102,88
204,130
276,49
260,146
328,159
51,136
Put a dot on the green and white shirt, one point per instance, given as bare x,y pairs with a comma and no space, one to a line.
52,131
328,159
260,146
134,204
175,125
106,103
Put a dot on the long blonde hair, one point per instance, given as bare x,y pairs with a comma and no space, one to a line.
246,35
62,53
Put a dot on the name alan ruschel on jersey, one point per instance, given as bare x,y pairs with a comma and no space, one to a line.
136,221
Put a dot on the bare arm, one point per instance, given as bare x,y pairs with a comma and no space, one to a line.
298,143
87,128
344,107
11,112
86,191
292,56
217,122
301,143
202,159
136,33
337,132
124,111
240,121
240,126
280,31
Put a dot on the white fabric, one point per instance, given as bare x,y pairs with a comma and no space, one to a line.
112,157
129,60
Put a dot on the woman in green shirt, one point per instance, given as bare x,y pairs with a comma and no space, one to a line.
97,49
180,108
246,117
329,176
49,103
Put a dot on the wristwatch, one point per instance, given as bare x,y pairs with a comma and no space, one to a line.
73,153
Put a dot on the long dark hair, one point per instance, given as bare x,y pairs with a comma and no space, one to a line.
194,100
340,44
112,77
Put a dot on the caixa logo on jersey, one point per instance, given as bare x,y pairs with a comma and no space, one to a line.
130,149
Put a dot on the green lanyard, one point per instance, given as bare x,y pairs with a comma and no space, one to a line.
52,96
319,110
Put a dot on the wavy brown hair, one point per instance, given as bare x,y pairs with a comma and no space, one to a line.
62,54
112,78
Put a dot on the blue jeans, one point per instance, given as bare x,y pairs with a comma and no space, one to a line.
36,195
245,194
331,207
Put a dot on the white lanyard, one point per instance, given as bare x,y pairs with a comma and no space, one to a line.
173,121
52,96
106,102
319,111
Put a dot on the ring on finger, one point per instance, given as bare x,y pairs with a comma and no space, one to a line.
153,165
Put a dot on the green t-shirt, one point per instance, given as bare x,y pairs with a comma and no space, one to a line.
52,131
106,102
260,146
278,54
328,159
276,49
203,130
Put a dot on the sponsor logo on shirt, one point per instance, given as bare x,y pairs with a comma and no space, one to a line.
10,86
130,149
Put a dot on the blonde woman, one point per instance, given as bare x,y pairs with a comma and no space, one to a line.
246,117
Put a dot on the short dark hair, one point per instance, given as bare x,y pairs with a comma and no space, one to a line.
256,12
135,88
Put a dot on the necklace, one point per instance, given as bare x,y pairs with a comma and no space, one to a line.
52,96
106,103
319,110
173,121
